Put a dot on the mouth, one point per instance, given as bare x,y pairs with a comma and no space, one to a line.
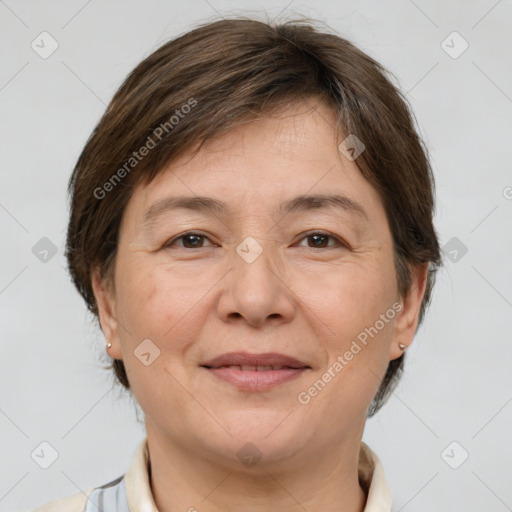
255,372
255,368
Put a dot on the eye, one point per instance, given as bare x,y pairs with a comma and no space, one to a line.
319,240
194,240
191,240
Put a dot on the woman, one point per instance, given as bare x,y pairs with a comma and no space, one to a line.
251,223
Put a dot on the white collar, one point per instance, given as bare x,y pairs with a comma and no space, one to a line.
371,477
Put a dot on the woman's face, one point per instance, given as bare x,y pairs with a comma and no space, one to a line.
314,282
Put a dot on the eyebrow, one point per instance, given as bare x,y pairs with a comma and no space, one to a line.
300,203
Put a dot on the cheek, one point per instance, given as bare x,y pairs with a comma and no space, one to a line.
356,296
162,304
158,307
358,357
359,313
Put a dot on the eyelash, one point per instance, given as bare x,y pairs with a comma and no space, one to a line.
340,242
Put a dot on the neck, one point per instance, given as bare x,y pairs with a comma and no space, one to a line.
182,479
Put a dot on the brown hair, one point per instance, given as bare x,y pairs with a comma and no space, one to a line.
218,76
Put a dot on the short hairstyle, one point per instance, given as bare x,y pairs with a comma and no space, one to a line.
226,73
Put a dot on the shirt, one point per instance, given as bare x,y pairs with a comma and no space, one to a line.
131,492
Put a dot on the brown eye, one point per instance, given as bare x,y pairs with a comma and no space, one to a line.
189,241
320,240
193,241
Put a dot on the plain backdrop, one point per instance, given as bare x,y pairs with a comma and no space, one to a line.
444,435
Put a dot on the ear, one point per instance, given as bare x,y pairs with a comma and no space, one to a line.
407,319
105,299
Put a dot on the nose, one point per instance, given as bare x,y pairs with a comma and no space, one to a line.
256,290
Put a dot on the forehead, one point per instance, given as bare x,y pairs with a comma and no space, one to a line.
263,164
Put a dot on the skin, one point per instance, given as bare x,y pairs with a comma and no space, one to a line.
195,302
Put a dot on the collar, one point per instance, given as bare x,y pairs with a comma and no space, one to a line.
371,478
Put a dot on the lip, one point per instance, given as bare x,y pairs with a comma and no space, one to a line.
227,367
246,359
248,380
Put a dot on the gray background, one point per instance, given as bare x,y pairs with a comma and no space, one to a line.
457,385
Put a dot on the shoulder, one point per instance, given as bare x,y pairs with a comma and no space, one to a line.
73,503
111,495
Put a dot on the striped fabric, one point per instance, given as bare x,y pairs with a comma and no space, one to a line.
108,497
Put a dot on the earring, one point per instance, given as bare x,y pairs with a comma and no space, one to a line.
401,346
109,345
